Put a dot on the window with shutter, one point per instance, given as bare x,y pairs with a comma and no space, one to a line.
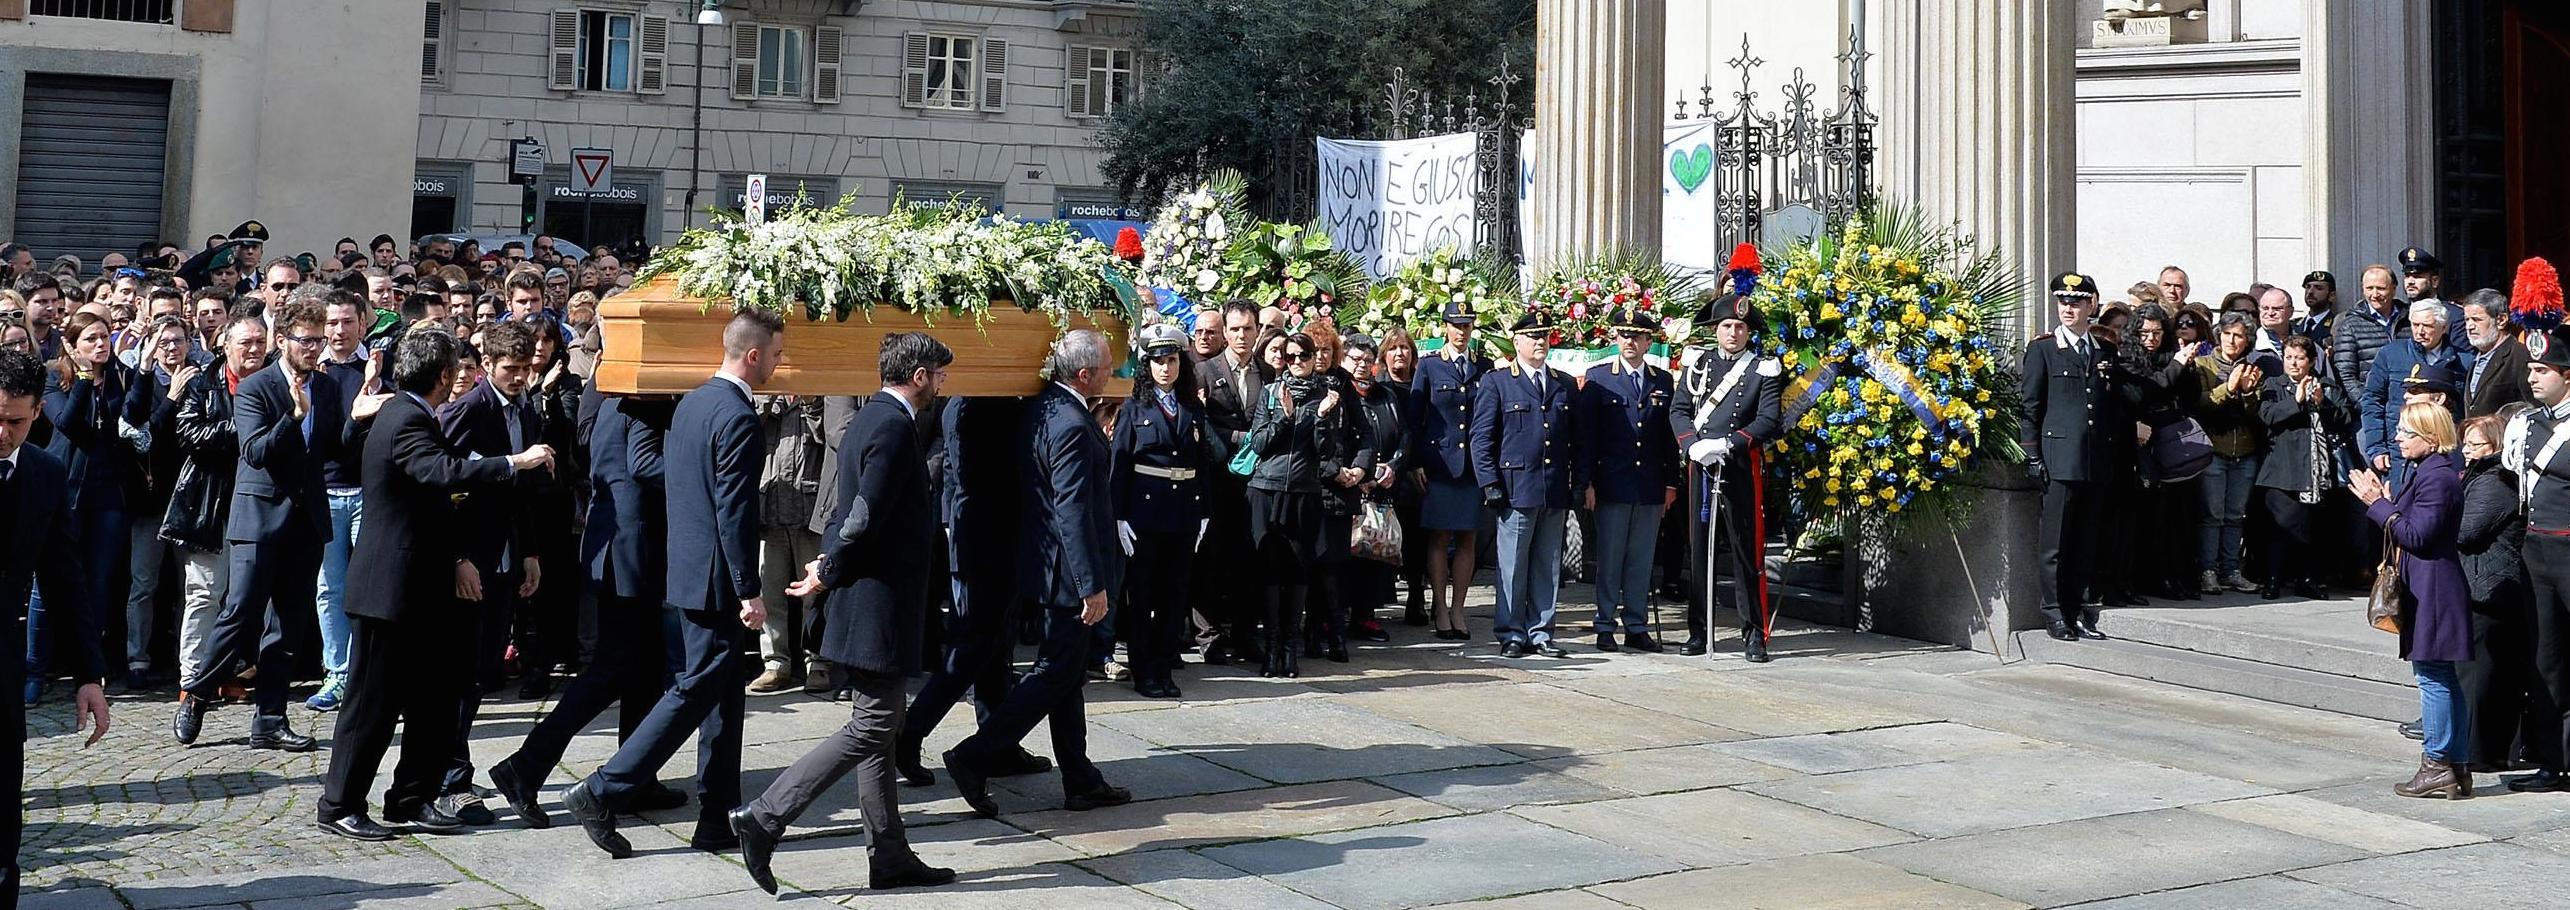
943,72
745,60
564,47
1075,89
651,57
994,74
432,43
825,64
914,70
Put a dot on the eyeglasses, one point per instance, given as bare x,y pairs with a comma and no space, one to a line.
172,343
307,341
2407,433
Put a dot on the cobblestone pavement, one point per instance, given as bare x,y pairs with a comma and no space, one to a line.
1856,771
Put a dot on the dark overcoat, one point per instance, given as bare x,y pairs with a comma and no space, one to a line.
2426,519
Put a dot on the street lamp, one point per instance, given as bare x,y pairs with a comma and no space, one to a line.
712,14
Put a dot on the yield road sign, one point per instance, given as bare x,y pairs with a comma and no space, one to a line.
592,170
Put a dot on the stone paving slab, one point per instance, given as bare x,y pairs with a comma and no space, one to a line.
2480,876
2267,893
1304,741
244,887
2009,790
1496,787
1228,817
460,896
100,898
1828,882
1857,750
1537,720
1184,877
2323,820
559,868
1650,771
1737,701
2098,858
2493,810
839,862
1054,886
1437,861
1546,900
1714,827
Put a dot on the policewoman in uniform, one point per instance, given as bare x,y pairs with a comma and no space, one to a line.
1632,474
1162,460
2077,434
1730,404
2537,448
1440,437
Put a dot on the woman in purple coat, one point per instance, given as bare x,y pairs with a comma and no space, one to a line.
2436,619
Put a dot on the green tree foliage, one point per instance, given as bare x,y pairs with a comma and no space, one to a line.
1237,82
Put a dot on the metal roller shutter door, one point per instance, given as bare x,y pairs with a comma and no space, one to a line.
90,159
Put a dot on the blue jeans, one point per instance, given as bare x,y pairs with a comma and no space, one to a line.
2226,485
345,513
2446,717
1627,533
1530,574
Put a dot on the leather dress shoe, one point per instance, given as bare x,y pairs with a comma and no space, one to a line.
468,806
2308,591
905,759
1606,643
426,818
2088,629
1693,648
190,718
1549,649
658,797
273,733
2413,730
1024,763
714,838
1512,649
908,874
595,820
757,846
1643,642
1099,797
975,788
1755,649
518,793
1156,688
2539,782
2270,591
2060,631
356,826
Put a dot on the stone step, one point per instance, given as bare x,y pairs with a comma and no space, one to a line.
2362,697
2314,644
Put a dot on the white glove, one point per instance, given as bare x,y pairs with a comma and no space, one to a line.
2512,454
1201,525
1124,535
1710,452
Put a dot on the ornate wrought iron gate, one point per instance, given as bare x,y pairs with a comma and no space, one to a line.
1807,156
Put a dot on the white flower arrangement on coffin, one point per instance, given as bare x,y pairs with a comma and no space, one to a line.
935,263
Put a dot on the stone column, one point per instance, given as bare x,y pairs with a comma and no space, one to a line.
1977,126
1598,85
2368,172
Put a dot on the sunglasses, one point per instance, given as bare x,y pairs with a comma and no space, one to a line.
285,286
307,341
1297,356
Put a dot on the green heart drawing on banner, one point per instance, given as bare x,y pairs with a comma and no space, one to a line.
1691,167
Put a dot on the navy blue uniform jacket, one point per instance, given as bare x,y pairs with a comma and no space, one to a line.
1146,435
1440,431
1632,451
712,461
1525,444
627,506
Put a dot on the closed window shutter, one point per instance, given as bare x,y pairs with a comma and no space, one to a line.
651,56
1076,89
432,42
825,64
565,48
914,70
994,74
745,60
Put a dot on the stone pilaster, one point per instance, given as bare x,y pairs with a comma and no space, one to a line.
1598,85
2369,157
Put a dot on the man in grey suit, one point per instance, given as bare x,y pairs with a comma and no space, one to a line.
874,564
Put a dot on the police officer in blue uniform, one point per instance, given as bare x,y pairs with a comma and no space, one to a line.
2078,434
1439,437
1633,475
1526,453
1730,405
1162,460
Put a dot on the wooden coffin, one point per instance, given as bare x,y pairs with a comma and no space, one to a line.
660,342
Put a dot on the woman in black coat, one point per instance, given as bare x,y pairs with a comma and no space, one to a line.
1367,583
2162,552
1295,421
2307,421
2500,673
1347,465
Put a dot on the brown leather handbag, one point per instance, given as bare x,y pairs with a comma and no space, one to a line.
2382,607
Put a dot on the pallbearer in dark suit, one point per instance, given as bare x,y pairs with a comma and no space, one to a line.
1526,455
2076,433
1162,462
289,423
1068,566
35,500
404,631
495,418
1730,405
874,566
712,467
1632,475
624,556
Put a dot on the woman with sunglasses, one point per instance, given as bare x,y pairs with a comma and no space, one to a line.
1161,462
1366,583
1291,432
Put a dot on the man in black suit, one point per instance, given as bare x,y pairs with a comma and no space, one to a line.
289,423
403,629
1231,382
2077,435
492,420
711,468
874,565
622,552
2498,374
35,492
1067,565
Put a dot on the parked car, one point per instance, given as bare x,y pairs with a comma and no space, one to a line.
491,243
